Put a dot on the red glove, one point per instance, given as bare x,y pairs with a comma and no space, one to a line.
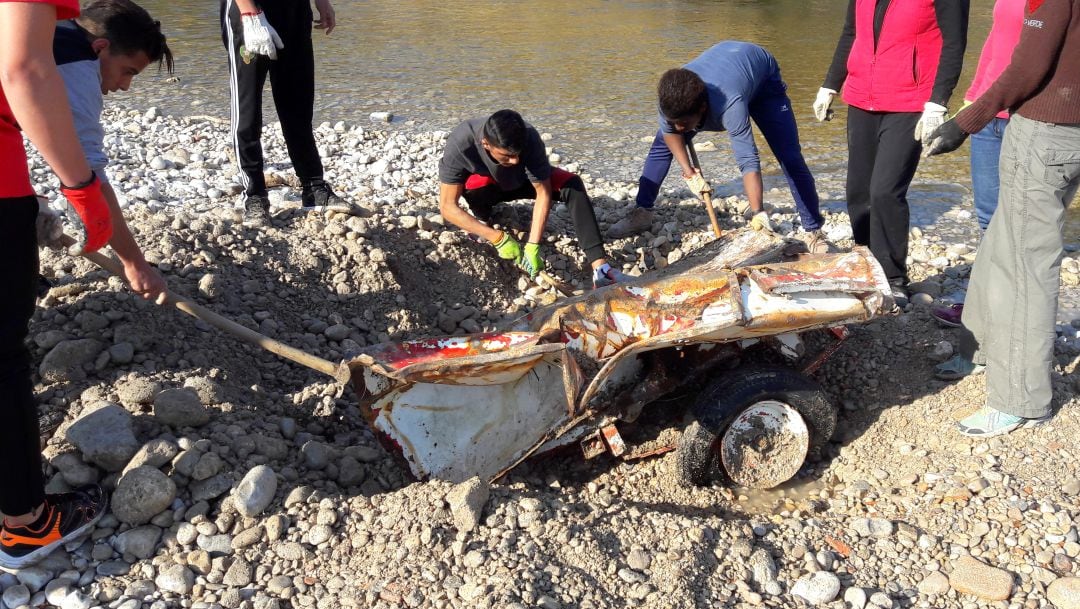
91,218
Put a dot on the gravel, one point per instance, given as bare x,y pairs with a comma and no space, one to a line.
897,511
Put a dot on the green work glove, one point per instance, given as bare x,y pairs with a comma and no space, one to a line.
508,248
531,262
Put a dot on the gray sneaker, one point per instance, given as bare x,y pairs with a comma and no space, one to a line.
639,221
257,210
957,367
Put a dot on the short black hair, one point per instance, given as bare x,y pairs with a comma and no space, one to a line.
128,28
681,93
506,129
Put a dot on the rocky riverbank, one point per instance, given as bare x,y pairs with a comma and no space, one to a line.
239,480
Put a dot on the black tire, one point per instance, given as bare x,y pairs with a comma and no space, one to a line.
723,399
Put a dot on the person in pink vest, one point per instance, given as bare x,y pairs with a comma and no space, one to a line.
985,146
897,62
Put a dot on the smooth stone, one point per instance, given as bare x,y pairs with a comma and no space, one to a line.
1064,593
818,588
935,583
256,491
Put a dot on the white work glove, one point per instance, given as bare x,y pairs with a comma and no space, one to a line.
822,103
50,225
260,37
760,221
933,116
698,185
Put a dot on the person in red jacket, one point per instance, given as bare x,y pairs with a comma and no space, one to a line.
1011,309
32,98
898,62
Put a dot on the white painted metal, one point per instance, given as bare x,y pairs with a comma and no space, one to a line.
455,432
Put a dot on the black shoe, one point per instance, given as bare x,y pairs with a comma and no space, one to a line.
899,293
65,517
257,210
318,193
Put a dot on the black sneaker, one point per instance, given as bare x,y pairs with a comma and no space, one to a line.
65,517
318,193
257,210
899,294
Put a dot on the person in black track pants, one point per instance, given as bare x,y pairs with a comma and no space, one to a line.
274,38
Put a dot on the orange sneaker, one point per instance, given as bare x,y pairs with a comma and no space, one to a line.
66,516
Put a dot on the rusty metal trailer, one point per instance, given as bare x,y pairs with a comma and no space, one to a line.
461,406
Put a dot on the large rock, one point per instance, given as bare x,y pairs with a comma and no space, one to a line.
212,488
74,471
137,390
177,579
255,491
104,436
970,576
66,360
467,502
142,493
155,453
139,542
1064,593
180,408
817,588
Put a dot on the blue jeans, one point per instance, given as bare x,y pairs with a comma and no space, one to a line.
985,181
771,112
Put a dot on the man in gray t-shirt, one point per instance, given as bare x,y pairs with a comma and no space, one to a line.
502,158
99,53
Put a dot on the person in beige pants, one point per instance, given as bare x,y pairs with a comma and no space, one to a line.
1013,295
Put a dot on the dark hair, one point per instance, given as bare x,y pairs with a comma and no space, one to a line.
506,129
128,28
681,93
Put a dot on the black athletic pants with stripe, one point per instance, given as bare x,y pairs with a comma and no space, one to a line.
292,83
22,484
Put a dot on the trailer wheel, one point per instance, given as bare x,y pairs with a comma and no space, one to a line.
758,424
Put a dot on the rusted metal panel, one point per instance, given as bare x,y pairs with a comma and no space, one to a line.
613,440
460,406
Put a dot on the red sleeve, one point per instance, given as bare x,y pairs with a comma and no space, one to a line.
65,9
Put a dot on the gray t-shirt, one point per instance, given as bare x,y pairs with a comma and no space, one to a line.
464,155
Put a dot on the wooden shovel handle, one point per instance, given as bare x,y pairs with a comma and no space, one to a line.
707,197
185,304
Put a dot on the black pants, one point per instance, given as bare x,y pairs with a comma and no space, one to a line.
482,200
882,157
292,82
22,484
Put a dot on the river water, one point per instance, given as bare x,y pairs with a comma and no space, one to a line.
583,70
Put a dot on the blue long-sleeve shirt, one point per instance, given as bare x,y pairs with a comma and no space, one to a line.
734,73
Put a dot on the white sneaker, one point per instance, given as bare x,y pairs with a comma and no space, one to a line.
639,221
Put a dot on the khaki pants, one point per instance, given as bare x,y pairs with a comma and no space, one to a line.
1012,299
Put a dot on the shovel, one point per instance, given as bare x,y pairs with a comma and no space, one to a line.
338,371
707,196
